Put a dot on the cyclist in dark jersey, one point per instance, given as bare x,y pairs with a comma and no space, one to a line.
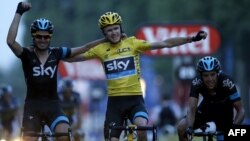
217,96
121,61
70,101
40,64
9,107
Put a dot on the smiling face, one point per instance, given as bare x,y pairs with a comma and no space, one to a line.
113,33
42,39
209,79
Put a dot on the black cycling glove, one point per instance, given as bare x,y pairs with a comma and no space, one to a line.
20,10
198,36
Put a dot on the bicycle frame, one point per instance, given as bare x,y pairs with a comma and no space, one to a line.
131,129
45,135
207,136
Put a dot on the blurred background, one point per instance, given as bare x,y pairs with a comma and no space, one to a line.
166,74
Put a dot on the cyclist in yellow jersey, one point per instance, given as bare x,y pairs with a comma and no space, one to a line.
120,58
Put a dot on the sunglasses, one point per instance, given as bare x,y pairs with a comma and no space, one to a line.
46,37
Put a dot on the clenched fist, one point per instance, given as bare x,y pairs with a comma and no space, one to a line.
199,36
23,7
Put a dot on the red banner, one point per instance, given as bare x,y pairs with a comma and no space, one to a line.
155,33
90,69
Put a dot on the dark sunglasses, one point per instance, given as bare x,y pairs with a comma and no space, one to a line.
37,36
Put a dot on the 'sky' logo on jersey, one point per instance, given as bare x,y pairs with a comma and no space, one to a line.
228,83
196,81
121,67
41,71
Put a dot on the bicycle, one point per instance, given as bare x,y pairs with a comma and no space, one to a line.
207,136
45,135
207,132
130,130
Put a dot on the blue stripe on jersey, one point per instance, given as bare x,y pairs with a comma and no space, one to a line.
121,74
65,52
58,120
234,96
141,114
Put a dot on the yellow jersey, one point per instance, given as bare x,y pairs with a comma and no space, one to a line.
121,63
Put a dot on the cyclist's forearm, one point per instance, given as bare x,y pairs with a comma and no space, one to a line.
239,117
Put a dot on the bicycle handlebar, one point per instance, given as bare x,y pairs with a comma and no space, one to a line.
46,134
199,134
133,127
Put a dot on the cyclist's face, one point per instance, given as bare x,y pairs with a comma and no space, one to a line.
209,79
42,39
113,33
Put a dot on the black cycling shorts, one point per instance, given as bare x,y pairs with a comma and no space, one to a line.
36,111
119,107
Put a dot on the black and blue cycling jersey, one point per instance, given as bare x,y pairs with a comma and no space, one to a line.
42,102
218,106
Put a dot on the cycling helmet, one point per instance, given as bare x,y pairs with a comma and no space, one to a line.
109,18
42,24
208,63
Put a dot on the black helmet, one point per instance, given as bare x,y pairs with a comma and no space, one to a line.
43,25
208,63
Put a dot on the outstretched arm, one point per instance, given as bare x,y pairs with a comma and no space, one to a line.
82,49
177,41
11,37
77,52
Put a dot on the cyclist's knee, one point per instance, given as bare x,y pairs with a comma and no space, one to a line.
62,127
140,121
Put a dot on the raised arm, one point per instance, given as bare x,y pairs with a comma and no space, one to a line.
177,41
11,37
